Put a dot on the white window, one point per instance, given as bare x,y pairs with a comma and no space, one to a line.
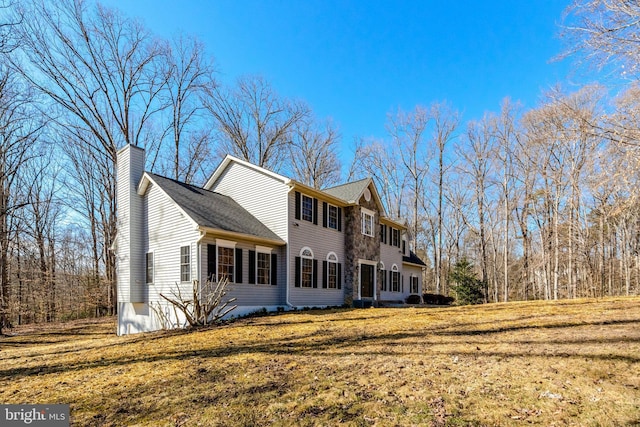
396,237
414,284
185,264
307,208
395,279
306,268
263,268
149,267
332,220
332,271
226,263
367,222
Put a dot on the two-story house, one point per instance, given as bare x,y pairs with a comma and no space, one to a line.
280,243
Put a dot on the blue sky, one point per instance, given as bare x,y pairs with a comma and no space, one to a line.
357,61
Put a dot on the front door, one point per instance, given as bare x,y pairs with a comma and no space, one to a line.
366,281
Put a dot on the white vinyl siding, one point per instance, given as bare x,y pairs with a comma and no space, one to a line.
130,246
262,195
251,294
322,241
169,231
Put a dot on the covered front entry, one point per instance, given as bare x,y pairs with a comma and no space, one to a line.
367,281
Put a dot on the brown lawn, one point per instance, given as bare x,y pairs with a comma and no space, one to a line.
567,363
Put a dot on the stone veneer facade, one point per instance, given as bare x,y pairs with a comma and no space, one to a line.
360,247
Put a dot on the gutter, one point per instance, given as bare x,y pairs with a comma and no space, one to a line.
287,298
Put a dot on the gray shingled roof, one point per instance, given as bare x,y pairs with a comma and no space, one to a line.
213,210
413,259
349,192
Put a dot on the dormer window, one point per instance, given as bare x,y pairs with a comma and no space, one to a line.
367,222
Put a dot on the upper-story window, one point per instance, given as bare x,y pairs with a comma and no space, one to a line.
383,233
331,216
367,222
332,220
395,236
307,208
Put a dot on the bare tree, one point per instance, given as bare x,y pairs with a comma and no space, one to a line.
605,33
478,164
189,73
19,130
378,161
254,123
408,140
101,71
313,154
445,123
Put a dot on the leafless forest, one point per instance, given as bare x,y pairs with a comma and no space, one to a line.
542,201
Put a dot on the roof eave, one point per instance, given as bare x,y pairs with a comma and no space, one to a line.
240,236
319,193
231,159
415,264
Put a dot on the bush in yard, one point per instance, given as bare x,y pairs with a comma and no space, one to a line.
467,286
437,299
206,304
414,299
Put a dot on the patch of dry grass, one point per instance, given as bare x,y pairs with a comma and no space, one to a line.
534,363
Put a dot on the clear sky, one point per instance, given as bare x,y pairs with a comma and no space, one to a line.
356,61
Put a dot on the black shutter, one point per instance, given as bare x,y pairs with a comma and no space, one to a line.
325,214
390,235
390,283
324,274
314,276
339,219
274,270
315,211
298,267
252,267
211,262
238,278
402,283
339,276
297,205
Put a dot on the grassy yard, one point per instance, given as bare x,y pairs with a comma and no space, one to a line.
561,363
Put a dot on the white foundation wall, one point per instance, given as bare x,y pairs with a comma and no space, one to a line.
134,318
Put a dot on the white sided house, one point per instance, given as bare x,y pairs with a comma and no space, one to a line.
281,244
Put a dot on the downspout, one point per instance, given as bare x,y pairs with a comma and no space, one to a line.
199,262
287,239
